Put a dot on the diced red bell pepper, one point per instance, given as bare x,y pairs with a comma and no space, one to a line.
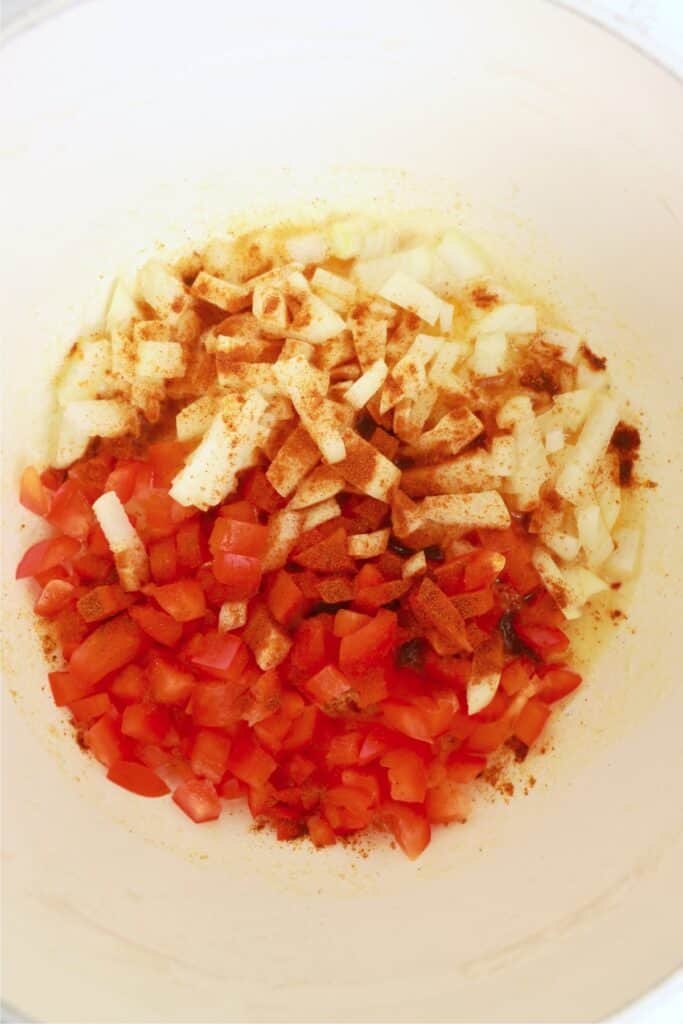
102,602
558,683
347,808
367,646
145,723
71,629
516,675
329,555
531,721
215,705
481,569
46,555
542,639
242,510
105,741
54,596
167,459
407,719
160,626
209,755
250,762
221,655
462,767
123,478
369,599
310,650
335,589
258,491
447,802
407,775
328,685
108,648
302,729
183,600
344,749
198,799
285,601
87,709
435,611
169,683
238,538
129,685
189,545
347,621
163,560
67,688
137,778
320,831
70,511
411,829
33,495
240,574
91,475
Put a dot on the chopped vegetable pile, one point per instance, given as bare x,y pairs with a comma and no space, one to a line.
321,505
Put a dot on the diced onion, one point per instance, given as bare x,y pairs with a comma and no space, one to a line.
368,545
462,256
415,565
308,248
590,448
406,292
621,564
367,385
481,510
195,419
161,289
511,318
124,541
160,360
232,615
228,445
490,354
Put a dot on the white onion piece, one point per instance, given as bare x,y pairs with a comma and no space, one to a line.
160,360
415,565
489,357
367,385
368,545
621,565
567,341
124,541
232,615
161,289
406,292
308,248
86,372
195,419
590,448
210,472
462,256
511,318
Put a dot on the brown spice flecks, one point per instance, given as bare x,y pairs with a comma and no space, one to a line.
616,614
519,749
594,361
483,298
625,438
615,586
625,472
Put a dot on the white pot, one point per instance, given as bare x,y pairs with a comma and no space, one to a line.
136,123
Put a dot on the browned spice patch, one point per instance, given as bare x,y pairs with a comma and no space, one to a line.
483,298
594,361
519,749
